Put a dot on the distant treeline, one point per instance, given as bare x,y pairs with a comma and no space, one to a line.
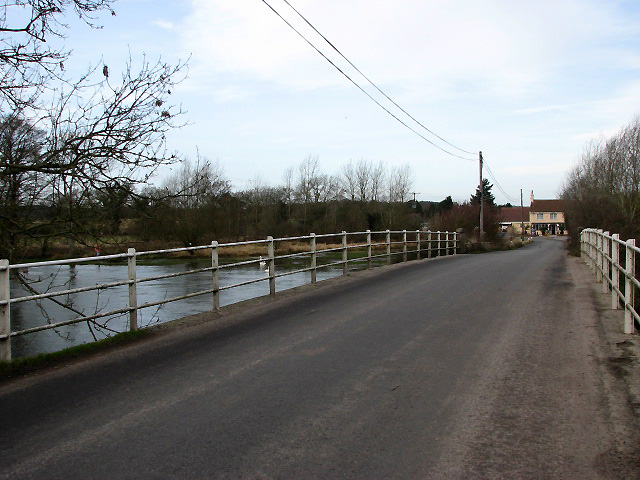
603,190
196,205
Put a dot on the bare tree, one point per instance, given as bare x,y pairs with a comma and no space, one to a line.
308,173
196,184
307,184
348,172
603,190
326,188
288,190
377,181
400,183
27,59
99,132
20,190
193,191
363,179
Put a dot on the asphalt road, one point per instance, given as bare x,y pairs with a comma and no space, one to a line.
478,366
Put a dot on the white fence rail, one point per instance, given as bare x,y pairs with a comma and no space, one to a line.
613,261
427,244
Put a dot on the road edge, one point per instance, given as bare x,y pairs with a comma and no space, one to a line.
624,349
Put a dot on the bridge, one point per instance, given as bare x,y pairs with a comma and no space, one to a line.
469,366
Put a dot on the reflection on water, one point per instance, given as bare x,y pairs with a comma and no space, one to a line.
31,314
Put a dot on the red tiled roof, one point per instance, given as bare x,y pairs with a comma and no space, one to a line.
547,206
514,214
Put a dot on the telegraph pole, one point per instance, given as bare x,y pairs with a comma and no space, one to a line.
521,216
481,202
415,204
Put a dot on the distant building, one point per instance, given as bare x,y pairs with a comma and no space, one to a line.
514,219
547,217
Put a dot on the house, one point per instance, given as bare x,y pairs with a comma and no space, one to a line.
547,217
514,219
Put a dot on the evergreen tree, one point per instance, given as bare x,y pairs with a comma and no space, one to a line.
489,199
445,204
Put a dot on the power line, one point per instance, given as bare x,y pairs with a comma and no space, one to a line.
373,84
497,184
359,87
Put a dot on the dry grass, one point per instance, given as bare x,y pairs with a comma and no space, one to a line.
260,249
60,249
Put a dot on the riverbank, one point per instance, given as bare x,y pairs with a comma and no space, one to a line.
61,251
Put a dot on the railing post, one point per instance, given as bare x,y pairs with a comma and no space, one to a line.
446,244
594,253
314,258
629,286
599,255
429,244
215,275
606,269
5,311
271,253
388,247
344,253
133,290
455,243
418,246
585,247
439,244
404,245
615,272
368,249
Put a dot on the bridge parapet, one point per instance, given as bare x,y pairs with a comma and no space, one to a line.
613,262
340,249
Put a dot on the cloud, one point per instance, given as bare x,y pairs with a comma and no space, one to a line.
530,81
548,169
493,47
542,109
165,24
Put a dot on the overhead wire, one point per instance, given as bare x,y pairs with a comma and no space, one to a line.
497,184
362,89
489,171
372,83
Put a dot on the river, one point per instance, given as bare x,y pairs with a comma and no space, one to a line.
31,314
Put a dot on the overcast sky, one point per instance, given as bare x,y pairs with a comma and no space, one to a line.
527,82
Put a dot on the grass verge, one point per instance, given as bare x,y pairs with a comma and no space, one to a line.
484,247
23,366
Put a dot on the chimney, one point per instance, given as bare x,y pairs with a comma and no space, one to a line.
531,197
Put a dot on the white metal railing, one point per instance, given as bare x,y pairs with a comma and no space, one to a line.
437,244
613,261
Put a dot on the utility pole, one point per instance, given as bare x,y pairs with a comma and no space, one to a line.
415,205
521,216
481,202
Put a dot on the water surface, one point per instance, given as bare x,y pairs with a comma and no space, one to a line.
51,278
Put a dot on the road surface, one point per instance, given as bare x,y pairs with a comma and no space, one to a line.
476,366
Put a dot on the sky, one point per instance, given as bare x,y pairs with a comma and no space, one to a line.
529,84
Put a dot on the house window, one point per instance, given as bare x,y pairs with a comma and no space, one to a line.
554,216
540,216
